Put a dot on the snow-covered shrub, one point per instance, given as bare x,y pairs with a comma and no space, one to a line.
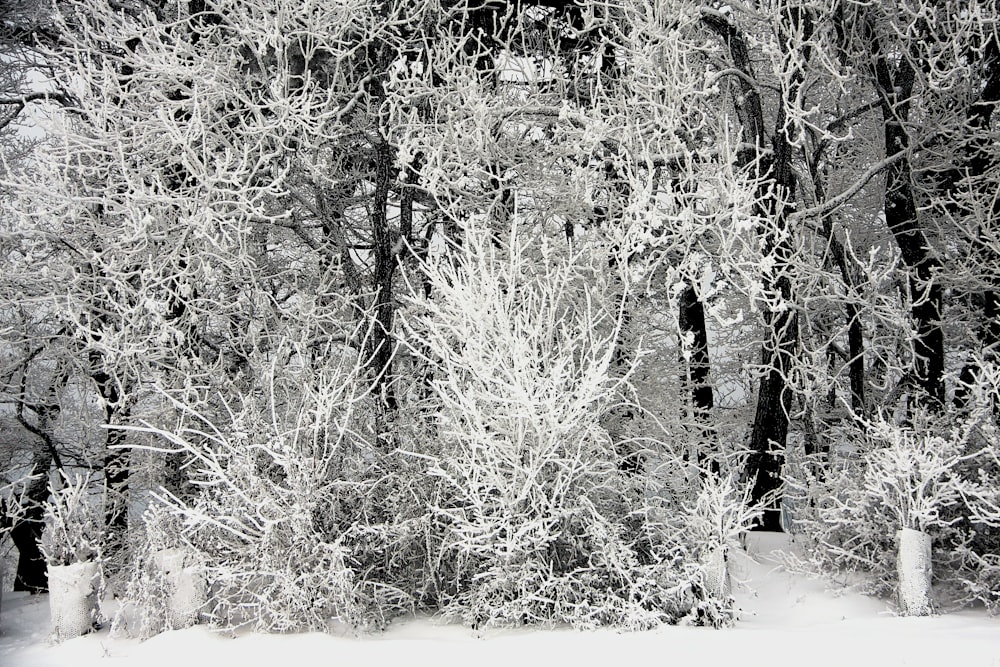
976,552
167,588
916,482
73,525
701,516
71,545
703,531
979,574
283,479
183,573
894,509
914,476
531,520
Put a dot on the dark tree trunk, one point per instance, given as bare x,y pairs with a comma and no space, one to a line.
116,478
747,101
981,158
691,320
630,460
774,403
991,328
775,189
774,397
855,329
26,533
895,89
380,348
856,366
32,573
116,460
620,418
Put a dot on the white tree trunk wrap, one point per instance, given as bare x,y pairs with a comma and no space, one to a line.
717,583
73,599
185,584
913,567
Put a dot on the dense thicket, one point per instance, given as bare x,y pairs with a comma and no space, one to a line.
517,311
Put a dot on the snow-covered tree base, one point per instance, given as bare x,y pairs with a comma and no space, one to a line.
73,599
185,586
717,579
914,566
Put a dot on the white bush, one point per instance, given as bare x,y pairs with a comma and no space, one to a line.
531,519
185,578
703,517
73,525
977,549
282,480
167,589
899,509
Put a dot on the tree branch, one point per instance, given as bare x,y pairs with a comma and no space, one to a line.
846,195
24,100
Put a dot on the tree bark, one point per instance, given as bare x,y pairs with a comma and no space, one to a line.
856,366
691,321
775,187
895,89
980,158
855,328
116,460
26,533
985,157
380,345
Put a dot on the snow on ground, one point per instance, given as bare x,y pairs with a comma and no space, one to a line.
786,619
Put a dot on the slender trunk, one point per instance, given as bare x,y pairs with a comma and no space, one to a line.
774,396
774,403
855,328
692,321
380,350
775,189
630,460
116,481
980,159
856,366
116,459
26,533
621,417
926,296
991,329
697,366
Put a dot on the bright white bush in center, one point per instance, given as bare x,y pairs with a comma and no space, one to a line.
533,520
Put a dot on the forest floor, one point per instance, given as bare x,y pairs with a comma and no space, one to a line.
785,619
